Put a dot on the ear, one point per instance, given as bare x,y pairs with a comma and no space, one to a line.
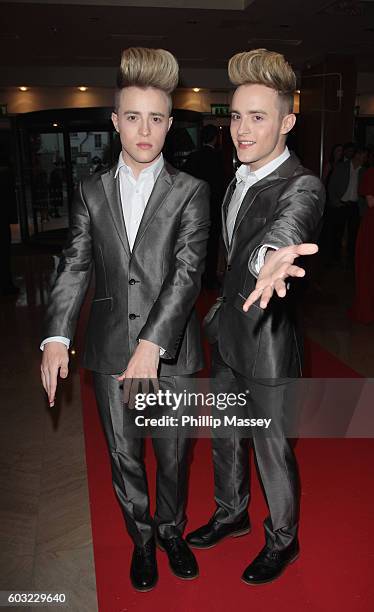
170,122
287,123
115,121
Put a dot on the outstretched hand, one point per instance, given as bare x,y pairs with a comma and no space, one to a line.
277,268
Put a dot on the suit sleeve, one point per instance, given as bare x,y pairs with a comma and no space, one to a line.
73,274
168,317
298,216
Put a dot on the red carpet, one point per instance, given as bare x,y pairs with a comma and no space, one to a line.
334,572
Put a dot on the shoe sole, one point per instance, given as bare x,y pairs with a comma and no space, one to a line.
236,534
146,589
160,547
259,583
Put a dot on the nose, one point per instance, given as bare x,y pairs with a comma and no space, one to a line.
244,127
144,128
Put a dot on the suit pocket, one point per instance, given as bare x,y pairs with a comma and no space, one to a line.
255,312
106,302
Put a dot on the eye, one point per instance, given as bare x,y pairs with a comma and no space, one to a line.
257,117
157,119
131,117
235,117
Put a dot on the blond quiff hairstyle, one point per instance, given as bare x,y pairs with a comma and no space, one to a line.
263,67
142,67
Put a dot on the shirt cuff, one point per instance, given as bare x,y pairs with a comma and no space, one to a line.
261,254
62,339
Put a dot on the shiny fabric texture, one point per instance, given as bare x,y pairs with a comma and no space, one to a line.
260,351
274,456
148,293
284,208
128,468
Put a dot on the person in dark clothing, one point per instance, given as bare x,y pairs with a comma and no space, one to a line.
207,164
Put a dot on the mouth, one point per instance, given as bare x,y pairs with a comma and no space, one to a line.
144,145
246,144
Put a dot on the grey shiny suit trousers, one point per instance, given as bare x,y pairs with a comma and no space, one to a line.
274,456
127,463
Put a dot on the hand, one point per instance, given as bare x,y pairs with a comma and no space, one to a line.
278,266
141,368
55,358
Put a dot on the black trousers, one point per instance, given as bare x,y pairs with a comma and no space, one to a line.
274,456
342,217
128,468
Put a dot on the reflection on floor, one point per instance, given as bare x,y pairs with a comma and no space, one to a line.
45,531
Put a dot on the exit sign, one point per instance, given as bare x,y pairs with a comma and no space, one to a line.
220,109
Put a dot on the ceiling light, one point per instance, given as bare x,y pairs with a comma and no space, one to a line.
298,91
196,89
23,88
55,124
82,88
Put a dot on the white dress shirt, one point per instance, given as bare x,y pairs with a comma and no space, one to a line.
245,178
135,194
351,194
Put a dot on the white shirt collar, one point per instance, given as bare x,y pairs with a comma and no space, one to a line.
154,169
244,173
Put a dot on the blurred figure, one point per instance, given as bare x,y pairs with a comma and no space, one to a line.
349,149
7,201
336,156
362,310
207,164
343,198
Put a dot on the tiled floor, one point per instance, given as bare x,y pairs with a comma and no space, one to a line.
45,531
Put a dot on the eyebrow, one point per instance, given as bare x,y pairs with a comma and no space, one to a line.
251,112
131,112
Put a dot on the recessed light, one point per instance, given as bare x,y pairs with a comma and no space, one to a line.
196,89
55,124
82,88
23,88
298,91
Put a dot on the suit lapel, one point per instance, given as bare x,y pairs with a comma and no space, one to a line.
283,172
113,195
161,189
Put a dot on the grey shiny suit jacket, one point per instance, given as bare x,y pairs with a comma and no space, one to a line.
283,208
148,293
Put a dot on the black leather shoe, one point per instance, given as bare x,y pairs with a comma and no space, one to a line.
270,564
209,535
143,571
181,559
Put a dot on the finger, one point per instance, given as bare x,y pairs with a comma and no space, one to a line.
280,287
64,370
251,299
44,382
52,385
126,390
266,296
294,271
121,376
307,248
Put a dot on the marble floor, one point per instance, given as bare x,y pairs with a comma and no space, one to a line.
45,530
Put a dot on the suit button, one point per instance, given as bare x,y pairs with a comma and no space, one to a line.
132,316
132,281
